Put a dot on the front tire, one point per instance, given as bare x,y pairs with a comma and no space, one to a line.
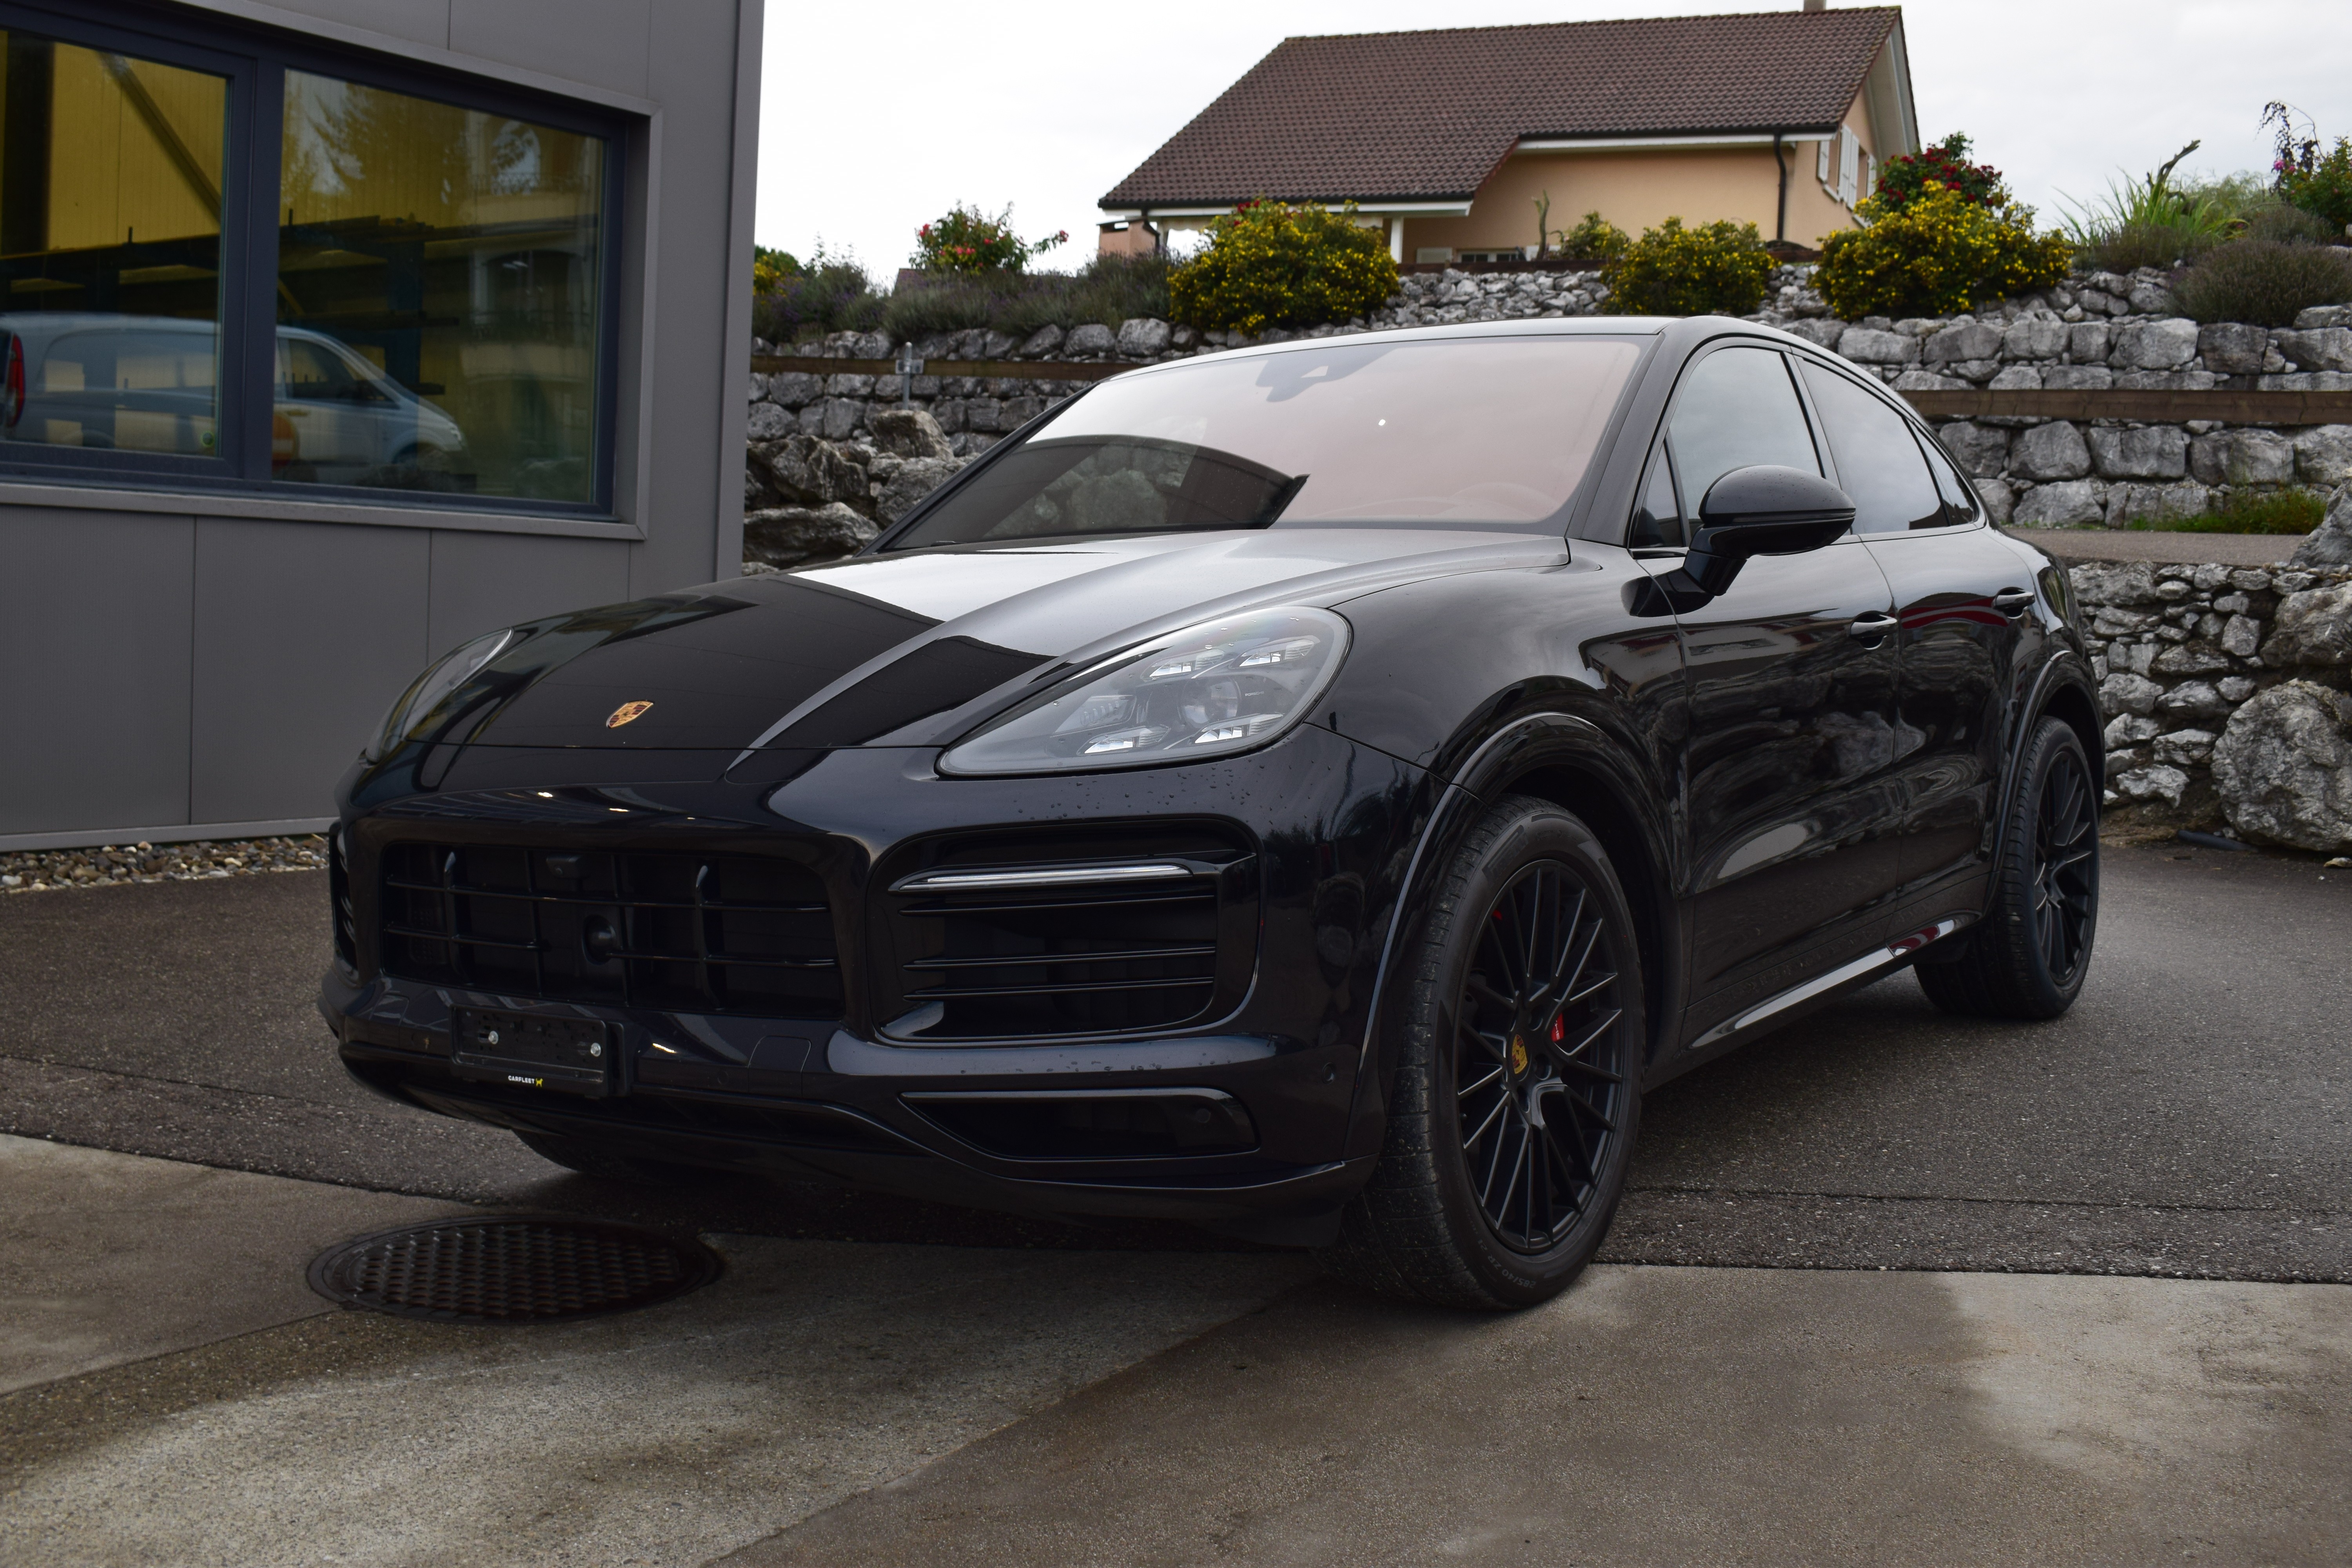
1513,1114
2028,957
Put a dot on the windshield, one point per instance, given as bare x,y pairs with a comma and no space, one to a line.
1475,432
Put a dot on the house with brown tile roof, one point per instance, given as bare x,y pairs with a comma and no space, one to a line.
1455,140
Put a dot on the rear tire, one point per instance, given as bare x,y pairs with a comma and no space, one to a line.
1513,1113
2028,957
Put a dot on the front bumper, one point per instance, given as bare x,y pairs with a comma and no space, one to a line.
1327,824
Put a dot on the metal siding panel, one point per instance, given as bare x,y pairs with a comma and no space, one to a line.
484,581
94,637
599,41
418,21
693,51
303,636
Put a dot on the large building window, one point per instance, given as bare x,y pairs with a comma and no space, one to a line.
111,238
437,292
412,292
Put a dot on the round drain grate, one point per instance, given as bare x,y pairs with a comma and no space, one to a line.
511,1269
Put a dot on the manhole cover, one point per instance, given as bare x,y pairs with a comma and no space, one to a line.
511,1269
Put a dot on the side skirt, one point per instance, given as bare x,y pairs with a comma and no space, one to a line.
1808,996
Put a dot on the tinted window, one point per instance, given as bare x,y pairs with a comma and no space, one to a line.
1878,461
111,178
456,254
1960,503
1658,520
1493,432
1734,409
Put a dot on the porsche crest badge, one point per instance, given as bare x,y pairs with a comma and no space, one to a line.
627,713
1519,1055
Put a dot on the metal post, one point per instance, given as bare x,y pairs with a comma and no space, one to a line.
908,367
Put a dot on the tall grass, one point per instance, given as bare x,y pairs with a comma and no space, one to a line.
2154,220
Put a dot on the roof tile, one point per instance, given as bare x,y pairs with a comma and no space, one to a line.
1428,115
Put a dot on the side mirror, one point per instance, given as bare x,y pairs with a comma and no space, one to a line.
1761,511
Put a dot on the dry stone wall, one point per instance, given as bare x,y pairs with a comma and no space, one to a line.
2099,331
2185,655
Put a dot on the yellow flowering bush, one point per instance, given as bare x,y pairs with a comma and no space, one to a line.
1677,271
1269,264
1938,255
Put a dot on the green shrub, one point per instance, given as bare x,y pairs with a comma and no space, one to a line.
1944,166
2139,243
1940,255
2274,217
1108,289
1594,239
966,239
2319,183
1677,271
770,268
827,294
2273,511
1268,264
2262,282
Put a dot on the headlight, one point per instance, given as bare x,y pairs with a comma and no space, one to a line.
430,689
1206,692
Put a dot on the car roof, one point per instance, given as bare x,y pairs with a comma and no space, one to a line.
1683,332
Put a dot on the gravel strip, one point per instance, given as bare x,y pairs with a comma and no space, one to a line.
47,870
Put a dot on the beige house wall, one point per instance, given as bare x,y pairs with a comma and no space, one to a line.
1638,190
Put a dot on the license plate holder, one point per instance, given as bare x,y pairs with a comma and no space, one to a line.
534,1050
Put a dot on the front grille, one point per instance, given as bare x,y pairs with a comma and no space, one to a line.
1169,942
704,933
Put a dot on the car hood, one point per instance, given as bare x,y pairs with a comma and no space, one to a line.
905,649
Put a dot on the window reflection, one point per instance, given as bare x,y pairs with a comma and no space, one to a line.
438,291
110,172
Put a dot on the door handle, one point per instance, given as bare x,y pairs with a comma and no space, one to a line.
2012,601
1870,630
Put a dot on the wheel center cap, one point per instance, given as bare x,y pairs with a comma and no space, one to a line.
1518,1057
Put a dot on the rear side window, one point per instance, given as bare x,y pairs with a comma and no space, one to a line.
1878,459
1959,503
1736,409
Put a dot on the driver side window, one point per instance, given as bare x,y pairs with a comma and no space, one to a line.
1736,408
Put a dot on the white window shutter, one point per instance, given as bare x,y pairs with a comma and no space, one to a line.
1822,162
1849,155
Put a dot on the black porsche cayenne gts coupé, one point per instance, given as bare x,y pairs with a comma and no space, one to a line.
1311,791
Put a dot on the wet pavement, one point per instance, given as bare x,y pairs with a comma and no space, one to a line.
1887,1287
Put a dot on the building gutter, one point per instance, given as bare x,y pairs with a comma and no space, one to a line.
1781,221
1647,143
1441,208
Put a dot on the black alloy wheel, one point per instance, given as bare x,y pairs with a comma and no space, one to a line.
2030,954
1516,1090
2065,867
1538,1085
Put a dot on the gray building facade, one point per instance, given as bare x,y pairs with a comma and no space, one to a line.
338,332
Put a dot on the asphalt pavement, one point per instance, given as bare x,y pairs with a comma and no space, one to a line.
2193,1116
1887,1288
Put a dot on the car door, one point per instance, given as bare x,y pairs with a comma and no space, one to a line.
1791,680
1962,593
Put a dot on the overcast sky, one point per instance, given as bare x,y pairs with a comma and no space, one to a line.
876,118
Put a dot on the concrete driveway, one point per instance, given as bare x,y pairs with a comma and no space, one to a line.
1968,1293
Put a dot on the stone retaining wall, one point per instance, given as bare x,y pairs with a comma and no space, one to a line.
2180,649
2100,331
